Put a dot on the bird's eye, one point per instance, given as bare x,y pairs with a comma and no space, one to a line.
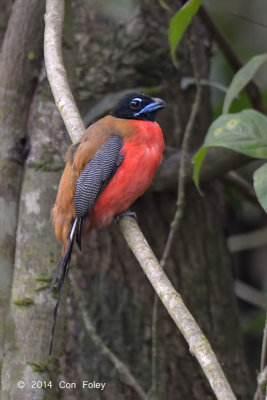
135,103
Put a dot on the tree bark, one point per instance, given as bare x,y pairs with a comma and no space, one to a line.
36,255
19,65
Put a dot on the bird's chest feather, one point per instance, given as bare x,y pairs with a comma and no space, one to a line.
143,154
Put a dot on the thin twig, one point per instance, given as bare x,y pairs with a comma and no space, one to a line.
247,241
250,294
249,20
252,89
264,346
262,376
123,370
198,344
154,352
262,385
179,209
182,171
242,186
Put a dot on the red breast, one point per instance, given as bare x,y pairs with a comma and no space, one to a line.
143,154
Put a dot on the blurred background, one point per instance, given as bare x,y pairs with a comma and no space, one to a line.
218,261
244,25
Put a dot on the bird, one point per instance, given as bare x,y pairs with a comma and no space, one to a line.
112,164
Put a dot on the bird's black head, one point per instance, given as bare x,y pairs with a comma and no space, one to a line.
137,106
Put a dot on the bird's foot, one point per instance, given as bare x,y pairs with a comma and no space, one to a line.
127,213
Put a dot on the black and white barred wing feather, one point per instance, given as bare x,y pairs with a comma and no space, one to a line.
94,178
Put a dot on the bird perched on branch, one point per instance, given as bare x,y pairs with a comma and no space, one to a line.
106,171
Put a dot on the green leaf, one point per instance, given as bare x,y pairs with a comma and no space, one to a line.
260,185
179,23
198,161
242,78
244,132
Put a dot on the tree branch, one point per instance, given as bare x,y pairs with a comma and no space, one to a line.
56,72
252,89
217,163
180,203
251,295
198,344
262,382
184,154
57,77
247,241
242,186
264,347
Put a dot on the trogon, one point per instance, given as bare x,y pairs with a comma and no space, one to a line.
111,166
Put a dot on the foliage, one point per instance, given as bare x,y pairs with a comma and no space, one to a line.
260,185
179,24
242,78
244,132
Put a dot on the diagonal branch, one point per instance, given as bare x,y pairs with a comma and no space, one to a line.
198,344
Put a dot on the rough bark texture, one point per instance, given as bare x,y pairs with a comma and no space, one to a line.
26,348
19,69
111,56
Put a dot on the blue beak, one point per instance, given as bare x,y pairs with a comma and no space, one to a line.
156,104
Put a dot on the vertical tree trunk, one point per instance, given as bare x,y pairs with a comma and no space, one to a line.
19,65
36,255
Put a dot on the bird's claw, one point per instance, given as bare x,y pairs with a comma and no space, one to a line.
125,214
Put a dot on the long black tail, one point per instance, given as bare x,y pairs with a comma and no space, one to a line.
79,230
64,267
